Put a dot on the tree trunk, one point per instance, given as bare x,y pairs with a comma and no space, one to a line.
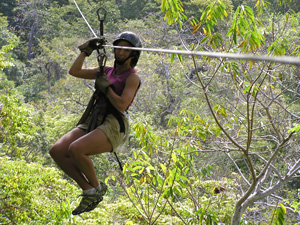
30,54
236,218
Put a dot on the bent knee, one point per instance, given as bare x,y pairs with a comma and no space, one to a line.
74,151
56,151
52,151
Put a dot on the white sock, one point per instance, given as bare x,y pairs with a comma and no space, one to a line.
89,191
99,188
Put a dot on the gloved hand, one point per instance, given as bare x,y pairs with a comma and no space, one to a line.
92,44
102,82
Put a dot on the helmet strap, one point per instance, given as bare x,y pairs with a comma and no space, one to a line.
121,62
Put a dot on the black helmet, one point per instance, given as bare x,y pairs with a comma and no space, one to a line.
134,40
129,36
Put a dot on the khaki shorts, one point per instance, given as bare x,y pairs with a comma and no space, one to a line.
111,128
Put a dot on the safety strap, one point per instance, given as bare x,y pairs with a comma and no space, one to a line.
100,107
99,104
118,161
112,110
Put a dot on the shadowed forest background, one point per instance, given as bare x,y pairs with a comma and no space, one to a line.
212,140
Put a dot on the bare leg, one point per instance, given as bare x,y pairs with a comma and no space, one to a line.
93,143
60,154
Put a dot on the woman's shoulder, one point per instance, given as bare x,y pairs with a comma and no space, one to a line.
133,73
133,78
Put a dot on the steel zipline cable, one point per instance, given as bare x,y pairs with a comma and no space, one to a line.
283,59
85,19
279,59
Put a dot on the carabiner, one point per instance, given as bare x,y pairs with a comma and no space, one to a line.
101,55
102,59
101,20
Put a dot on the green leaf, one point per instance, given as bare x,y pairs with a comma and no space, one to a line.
164,168
172,57
184,178
283,208
174,157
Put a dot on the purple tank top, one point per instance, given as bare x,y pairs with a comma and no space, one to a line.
119,80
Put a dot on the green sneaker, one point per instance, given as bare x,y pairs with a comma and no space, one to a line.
103,189
102,192
87,201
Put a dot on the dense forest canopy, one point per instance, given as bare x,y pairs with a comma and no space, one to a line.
212,140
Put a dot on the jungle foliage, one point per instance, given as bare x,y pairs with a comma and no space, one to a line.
212,140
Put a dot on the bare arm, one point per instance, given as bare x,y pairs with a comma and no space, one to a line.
122,102
76,69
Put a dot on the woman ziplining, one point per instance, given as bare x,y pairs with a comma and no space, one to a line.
103,126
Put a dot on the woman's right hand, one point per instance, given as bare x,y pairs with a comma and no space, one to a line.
89,46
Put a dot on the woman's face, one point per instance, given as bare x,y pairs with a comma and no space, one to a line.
122,54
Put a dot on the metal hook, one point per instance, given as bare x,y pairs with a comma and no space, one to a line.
101,20
98,10
102,61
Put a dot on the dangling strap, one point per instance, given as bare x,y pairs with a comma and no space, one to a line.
100,108
118,161
112,110
88,110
